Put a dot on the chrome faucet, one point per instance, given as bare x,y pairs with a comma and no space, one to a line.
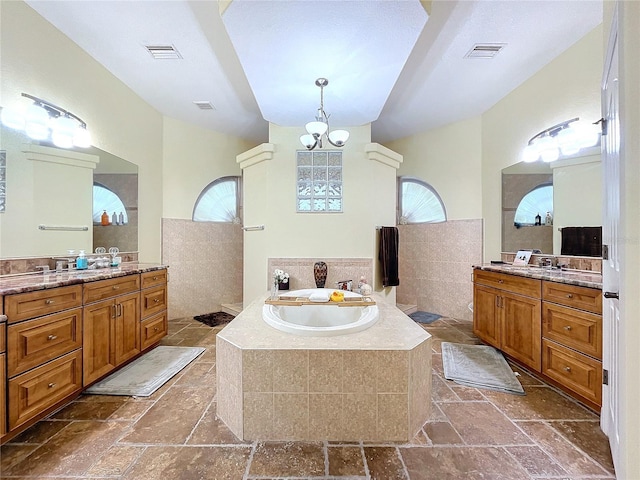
45,268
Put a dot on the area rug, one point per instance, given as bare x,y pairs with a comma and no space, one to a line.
214,319
148,373
479,366
424,317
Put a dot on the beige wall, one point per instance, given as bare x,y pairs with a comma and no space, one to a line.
39,60
577,195
193,158
567,87
449,159
270,200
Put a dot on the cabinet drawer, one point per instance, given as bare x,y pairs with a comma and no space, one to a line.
579,373
152,279
154,300
3,337
153,329
37,341
576,329
23,306
33,392
102,289
583,298
511,283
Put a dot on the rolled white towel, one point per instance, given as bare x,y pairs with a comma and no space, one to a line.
319,297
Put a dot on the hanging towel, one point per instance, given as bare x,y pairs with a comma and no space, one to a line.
581,241
388,256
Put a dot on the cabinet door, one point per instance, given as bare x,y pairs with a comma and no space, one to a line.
521,329
127,327
486,315
98,334
3,396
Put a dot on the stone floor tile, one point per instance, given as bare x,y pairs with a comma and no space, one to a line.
467,394
132,410
455,463
71,452
280,459
538,403
442,433
536,461
159,425
12,454
440,390
384,463
480,423
198,373
525,377
561,450
190,463
115,461
345,461
212,431
589,438
100,410
41,431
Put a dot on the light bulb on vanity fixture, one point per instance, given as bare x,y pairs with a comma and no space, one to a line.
564,139
45,121
319,129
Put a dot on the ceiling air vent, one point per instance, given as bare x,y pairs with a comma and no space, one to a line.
163,52
203,105
485,50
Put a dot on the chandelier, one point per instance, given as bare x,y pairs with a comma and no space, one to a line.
45,121
566,139
319,129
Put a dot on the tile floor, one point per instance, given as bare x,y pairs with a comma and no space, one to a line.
174,434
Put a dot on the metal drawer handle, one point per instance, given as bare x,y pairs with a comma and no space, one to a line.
156,300
48,301
52,337
155,278
567,369
116,287
51,385
500,281
567,328
155,329
569,295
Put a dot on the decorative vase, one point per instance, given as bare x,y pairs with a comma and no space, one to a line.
283,286
320,273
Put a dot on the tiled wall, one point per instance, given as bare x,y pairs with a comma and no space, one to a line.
300,271
14,266
205,265
435,261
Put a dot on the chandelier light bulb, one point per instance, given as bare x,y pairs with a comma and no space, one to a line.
63,130
530,153
81,137
317,128
11,118
308,141
37,122
338,137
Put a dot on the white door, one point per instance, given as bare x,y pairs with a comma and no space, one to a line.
611,264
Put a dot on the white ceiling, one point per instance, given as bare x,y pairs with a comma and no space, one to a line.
387,62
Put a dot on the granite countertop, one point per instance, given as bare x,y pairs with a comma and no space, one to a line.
29,282
393,331
580,278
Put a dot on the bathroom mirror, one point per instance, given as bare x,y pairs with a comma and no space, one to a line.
577,201
43,191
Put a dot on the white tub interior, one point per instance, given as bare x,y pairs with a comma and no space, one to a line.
322,319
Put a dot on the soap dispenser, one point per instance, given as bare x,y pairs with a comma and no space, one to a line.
81,261
104,220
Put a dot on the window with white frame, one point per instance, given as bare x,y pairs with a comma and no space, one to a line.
418,202
538,201
219,201
105,200
319,182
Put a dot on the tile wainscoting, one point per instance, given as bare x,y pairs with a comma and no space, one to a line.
435,261
300,271
205,260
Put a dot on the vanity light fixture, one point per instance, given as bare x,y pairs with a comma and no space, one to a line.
320,127
45,121
566,138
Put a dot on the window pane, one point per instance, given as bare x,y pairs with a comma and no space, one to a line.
538,201
105,199
420,203
319,187
218,202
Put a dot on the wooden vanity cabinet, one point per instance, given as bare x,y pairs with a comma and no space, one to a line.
572,339
3,368
506,314
154,324
111,334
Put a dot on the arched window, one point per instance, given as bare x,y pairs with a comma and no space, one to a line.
538,201
106,200
418,202
219,201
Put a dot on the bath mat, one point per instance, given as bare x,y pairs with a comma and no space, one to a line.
479,366
424,317
214,319
148,373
